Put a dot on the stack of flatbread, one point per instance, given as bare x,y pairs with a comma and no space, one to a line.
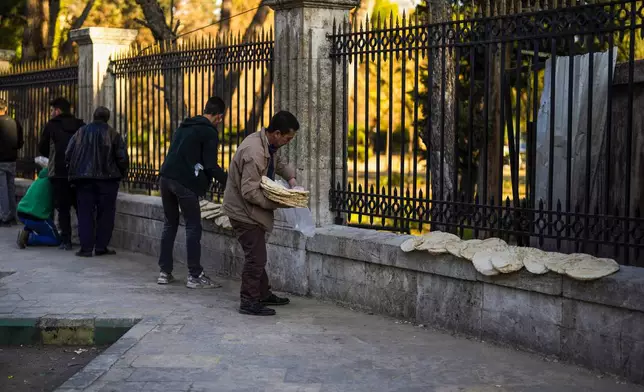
214,212
494,256
284,196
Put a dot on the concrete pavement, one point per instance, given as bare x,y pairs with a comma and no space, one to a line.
196,341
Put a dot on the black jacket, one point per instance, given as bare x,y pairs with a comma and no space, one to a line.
96,152
54,140
195,141
11,139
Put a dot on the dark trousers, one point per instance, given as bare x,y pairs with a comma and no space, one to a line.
64,200
99,196
173,196
252,238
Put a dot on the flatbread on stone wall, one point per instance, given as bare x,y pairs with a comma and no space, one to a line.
411,244
508,261
534,260
591,268
287,197
558,262
483,262
223,221
456,247
491,244
434,242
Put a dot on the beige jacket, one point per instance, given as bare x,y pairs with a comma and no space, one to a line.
243,198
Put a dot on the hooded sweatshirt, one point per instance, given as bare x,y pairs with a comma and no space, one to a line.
195,141
38,201
55,138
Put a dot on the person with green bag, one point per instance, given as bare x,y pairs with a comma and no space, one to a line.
35,211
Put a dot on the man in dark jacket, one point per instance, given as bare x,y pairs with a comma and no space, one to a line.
53,143
189,167
11,140
97,160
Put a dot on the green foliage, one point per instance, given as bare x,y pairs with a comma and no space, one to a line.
11,23
384,9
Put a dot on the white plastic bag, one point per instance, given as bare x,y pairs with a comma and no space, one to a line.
299,219
41,161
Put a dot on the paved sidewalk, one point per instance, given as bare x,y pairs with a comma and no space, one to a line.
196,341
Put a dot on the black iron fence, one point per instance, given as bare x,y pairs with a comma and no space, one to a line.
28,89
157,87
519,126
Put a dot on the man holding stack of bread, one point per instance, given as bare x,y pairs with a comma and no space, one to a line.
251,212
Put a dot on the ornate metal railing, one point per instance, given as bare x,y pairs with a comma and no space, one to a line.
28,90
159,86
485,126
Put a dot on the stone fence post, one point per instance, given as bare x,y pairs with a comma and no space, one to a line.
95,84
303,86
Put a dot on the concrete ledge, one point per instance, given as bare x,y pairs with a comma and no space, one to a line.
595,324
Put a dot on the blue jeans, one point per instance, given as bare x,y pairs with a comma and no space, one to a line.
173,196
41,232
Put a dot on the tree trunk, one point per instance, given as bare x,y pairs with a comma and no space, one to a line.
54,10
231,82
172,78
253,121
442,135
35,33
226,8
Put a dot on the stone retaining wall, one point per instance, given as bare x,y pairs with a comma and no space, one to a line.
596,324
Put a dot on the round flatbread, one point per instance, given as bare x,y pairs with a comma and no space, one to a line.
456,247
491,244
558,262
591,268
435,242
534,261
288,197
483,262
508,261
411,244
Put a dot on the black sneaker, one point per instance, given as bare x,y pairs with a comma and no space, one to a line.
23,237
165,278
82,253
65,246
274,300
202,282
105,252
256,309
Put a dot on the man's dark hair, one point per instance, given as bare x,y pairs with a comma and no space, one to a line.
61,104
284,122
3,105
102,114
214,106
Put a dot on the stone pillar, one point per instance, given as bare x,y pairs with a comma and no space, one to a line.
95,84
303,85
6,56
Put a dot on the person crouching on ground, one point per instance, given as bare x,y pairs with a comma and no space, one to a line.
251,213
186,173
36,211
97,159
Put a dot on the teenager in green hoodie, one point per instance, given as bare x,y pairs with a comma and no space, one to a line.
35,211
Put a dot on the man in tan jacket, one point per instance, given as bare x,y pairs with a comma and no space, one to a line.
251,213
